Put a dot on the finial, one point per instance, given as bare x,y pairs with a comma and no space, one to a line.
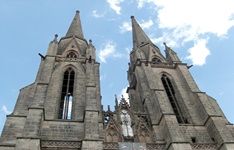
90,43
132,17
167,48
55,37
116,101
77,11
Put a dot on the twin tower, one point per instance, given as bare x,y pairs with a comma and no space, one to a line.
62,109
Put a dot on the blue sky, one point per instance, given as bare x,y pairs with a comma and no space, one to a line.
201,32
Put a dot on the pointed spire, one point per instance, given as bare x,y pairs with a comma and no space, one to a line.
91,52
167,49
116,102
75,28
53,46
170,54
139,36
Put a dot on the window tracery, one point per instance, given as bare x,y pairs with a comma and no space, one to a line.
71,55
65,108
156,60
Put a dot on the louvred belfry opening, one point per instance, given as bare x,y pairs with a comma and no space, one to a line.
65,108
172,98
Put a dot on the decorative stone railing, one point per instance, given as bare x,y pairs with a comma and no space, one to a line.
115,146
67,144
204,146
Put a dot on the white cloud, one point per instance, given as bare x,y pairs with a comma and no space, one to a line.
102,77
108,50
199,52
114,4
5,110
96,15
146,24
212,17
126,26
140,3
188,20
164,38
128,50
124,94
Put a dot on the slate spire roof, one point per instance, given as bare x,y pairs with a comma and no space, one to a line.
75,28
139,36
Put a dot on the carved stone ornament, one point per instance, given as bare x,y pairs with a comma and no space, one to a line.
112,132
110,145
69,144
59,58
204,146
155,146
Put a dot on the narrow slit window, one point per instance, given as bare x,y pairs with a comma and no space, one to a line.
65,108
171,96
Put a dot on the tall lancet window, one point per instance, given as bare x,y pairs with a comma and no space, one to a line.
172,98
126,124
65,108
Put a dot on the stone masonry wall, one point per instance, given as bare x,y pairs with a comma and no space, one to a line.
198,132
13,128
62,130
24,100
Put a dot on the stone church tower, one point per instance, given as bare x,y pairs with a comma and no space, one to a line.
167,111
62,109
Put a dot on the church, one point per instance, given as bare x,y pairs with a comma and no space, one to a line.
62,109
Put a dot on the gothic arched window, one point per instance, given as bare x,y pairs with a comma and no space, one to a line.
172,98
156,61
65,107
71,55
